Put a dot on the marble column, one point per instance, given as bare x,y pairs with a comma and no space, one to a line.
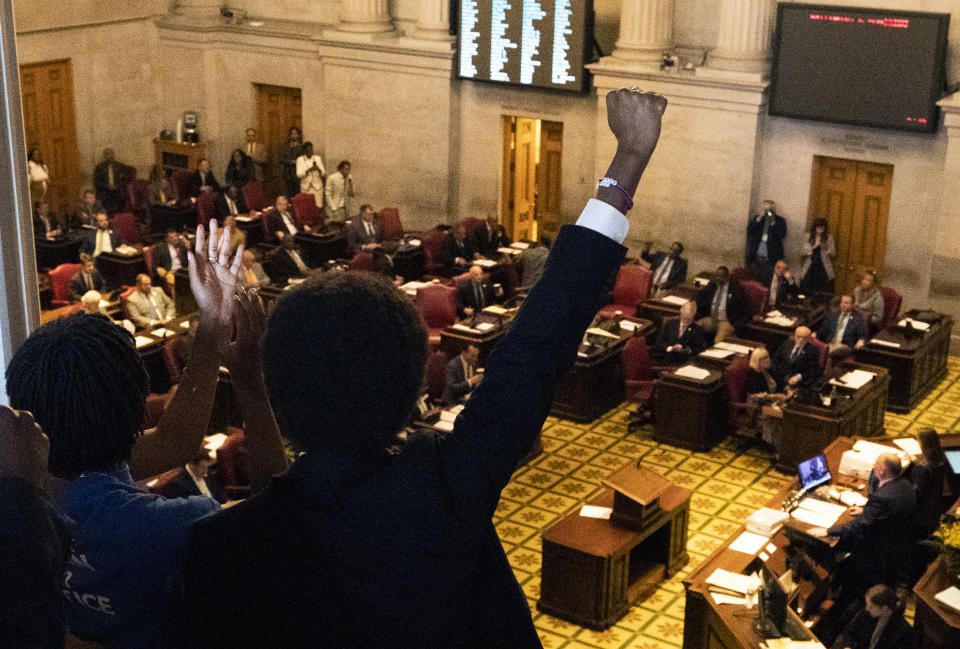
646,30
364,16
200,11
433,20
744,38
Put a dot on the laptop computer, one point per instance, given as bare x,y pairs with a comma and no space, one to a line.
813,472
953,459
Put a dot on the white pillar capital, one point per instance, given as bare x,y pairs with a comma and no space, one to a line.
364,16
745,35
433,20
646,30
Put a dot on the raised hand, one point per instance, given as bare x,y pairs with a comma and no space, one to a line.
213,279
25,448
243,355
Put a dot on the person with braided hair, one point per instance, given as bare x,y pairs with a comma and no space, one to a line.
86,385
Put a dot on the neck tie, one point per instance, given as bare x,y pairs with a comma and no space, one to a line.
841,326
163,196
478,292
663,272
154,313
369,228
715,310
88,281
251,278
110,176
794,353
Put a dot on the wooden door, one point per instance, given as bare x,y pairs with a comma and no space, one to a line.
278,108
854,197
525,178
549,169
49,124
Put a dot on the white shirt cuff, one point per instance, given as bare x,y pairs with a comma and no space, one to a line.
604,218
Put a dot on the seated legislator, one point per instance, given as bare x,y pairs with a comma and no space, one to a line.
288,262
356,547
475,295
879,624
282,223
669,268
100,240
237,236
880,535
797,362
202,180
161,193
764,397
868,297
86,279
90,304
457,251
149,306
680,339
86,214
251,273
843,327
34,539
461,375
169,257
722,307
782,286
364,234
489,236
128,543
532,261
192,480
46,225
231,203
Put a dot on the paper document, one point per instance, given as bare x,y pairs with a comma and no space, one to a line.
520,245
885,343
485,326
162,333
700,282
142,340
244,219
463,327
597,331
456,409
910,445
509,251
674,299
185,324
813,518
213,442
733,582
822,507
774,314
692,372
914,324
780,321
627,325
495,310
871,450
855,379
950,597
787,643
720,598
739,349
446,415
124,249
414,242
485,263
592,511
445,426
852,499
716,353
749,543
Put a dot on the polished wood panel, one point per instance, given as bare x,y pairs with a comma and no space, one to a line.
548,206
171,155
691,413
278,108
935,625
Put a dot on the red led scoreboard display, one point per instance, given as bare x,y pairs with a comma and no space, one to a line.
871,67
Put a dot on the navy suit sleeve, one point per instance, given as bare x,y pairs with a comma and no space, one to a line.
877,509
457,384
679,272
506,412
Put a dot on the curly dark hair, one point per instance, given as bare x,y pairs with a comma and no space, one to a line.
343,358
85,383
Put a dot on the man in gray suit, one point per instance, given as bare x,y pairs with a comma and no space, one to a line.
532,261
364,234
462,375
251,273
149,306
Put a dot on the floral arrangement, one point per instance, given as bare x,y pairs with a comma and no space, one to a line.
949,535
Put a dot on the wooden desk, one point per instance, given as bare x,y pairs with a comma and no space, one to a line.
594,384
691,413
171,155
592,571
321,248
808,428
152,352
453,340
63,250
935,626
809,313
721,364
409,264
120,270
916,366
176,217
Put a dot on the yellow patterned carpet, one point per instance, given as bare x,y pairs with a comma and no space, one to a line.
728,484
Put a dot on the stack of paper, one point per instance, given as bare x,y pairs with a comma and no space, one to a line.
738,349
950,597
463,327
593,511
142,341
910,445
854,379
914,324
162,333
765,521
856,464
780,321
485,326
596,331
885,343
495,309
410,288
692,372
852,498
714,352
627,325
520,245
787,643
509,251
485,263
749,543
732,583
675,299
818,513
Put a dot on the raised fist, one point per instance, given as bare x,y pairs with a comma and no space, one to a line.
634,118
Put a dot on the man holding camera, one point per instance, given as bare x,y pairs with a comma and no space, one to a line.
765,234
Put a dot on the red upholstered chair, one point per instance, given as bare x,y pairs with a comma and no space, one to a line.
432,243
823,352
268,238
148,258
757,294
60,282
892,301
254,196
172,360
206,207
639,378
390,222
137,191
125,225
736,377
306,211
181,183
156,405
123,301
160,485
630,290
362,261
471,224
436,372
232,465
437,305
742,275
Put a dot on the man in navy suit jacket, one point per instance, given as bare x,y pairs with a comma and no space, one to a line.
797,362
844,327
101,234
358,547
669,268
